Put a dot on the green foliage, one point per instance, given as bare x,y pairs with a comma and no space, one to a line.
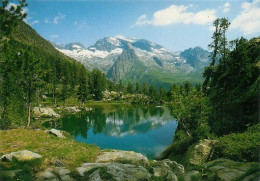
31,67
191,109
240,146
99,81
130,88
234,88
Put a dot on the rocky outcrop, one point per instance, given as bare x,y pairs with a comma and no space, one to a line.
162,169
55,173
122,157
55,132
202,151
23,155
44,113
225,170
128,165
113,171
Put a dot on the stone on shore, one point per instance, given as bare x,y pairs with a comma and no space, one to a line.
44,112
23,155
55,132
122,157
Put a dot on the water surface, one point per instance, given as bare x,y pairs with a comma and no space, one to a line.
148,130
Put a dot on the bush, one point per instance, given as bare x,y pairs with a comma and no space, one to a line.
240,146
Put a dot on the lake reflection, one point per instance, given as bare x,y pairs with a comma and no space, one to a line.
148,130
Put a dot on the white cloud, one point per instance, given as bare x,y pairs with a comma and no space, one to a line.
58,18
226,8
178,15
248,21
141,20
54,36
35,22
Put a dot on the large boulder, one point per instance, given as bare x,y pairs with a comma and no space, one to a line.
201,152
23,155
55,132
113,171
44,112
122,157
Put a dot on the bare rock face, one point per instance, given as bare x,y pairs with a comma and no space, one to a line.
44,112
23,155
122,157
202,151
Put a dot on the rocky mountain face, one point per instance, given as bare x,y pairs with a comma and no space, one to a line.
138,59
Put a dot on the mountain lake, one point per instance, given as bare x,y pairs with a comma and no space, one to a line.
144,129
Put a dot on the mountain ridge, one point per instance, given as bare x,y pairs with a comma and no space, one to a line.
107,54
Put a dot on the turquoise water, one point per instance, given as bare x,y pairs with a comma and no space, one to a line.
148,130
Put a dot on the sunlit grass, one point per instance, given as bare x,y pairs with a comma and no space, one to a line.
67,150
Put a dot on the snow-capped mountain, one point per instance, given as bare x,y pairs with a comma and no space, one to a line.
135,57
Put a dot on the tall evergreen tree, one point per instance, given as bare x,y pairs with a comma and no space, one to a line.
137,88
31,77
130,88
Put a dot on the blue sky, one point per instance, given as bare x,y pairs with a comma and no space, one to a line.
176,25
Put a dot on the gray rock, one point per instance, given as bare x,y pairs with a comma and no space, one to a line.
167,169
225,169
55,173
10,173
122,157
44,112
23,155
177,168
165,172
228,174
55,132
85,167
114,171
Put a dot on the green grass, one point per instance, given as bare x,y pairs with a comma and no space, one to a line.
67,150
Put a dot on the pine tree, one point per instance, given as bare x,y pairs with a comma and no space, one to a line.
145,89
137,88
8,22
130,88
219,48
31,77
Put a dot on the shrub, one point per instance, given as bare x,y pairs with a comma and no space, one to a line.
240,146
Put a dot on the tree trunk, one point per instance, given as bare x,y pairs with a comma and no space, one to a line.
28,114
